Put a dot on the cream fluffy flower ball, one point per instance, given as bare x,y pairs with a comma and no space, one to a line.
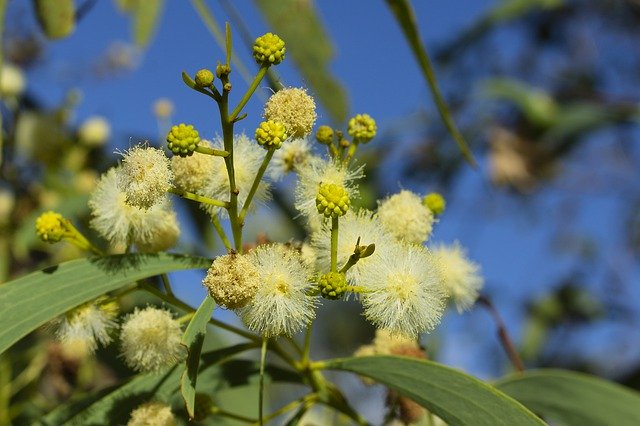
294,108
460,276
232,280
145,176
192,173
404,215
152,414
150,340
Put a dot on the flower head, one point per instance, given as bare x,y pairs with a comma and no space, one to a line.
232,280
404,291
290,157
51,227
332,285
268,49
271,134
362,128
434,202
332,200
204,78
282,304
324,135
460,276
145,176
183,140
88,325
294,108
165,234
191,173
151,339
12,81
94,131
404,215
152,414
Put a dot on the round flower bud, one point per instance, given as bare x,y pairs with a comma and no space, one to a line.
12,81
152,413
362,128
51,227
294,108
333,285
204,78
94,131
332,200
268,49
271,134
151,340
223,70
324,135
434,202
232,281
183,139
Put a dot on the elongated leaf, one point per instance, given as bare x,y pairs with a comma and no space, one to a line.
193,338
30,301
406,19
307,43
455,397
56,17
574,398
146,17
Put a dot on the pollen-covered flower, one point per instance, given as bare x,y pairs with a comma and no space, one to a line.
460,276
404,292
282,304
321,172
119,222
363,225
290,158
164,237
362,128
51,227
406,217
232,280
386,343
191,173
151,339
294,108
88,325
152,414
268,49
145,176
247,159
94,131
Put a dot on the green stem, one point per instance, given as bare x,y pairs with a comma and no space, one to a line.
350,153
167,284
199,198
334,244
353,259
76,238
223,236
210,151
3,10
217,411
256,183
310,398
263,358
252,88
304,360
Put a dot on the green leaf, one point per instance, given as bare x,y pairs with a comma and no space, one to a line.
57,18
146,18
193,338
455,397
310,48
574,398
403,12
28,302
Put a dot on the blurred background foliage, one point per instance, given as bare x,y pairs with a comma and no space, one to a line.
545,92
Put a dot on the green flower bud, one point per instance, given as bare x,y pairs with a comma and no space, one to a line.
332,200
434,202
182,140
223,70
362,128
324,135
204,78
332,285
271,134
51,227
268,49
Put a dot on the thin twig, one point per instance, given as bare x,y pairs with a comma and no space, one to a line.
503,335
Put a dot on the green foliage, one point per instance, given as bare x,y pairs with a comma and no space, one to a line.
145,18
57,18
572,398
455,397
31,301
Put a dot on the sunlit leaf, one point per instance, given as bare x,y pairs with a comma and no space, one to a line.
56,17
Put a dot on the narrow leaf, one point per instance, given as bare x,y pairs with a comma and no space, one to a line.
56,17
310,48
455,397
146,17
406,18
193,338
28,302
574,398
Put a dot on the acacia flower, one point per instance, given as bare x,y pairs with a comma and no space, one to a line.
88,325
232,280
145,176
191,173
150,339
282,304
406,217
460,276
152,414
291,157
164,237
294,108
404,293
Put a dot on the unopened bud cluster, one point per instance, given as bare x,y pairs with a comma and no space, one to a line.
434,202
332,285
51,227
204,78
324,135
268,49
332,200
362,128
183,140
271,134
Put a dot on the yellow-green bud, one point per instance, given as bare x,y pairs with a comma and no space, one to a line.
202,406
324,135
51,227
223,70
332,285
362,128
268,49
332,200
271,134
204,78
183,140
434,202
